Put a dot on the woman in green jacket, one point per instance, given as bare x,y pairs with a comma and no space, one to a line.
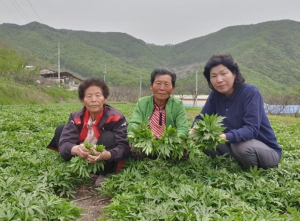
160,109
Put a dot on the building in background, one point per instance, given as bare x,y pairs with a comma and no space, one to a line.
189,100
65,77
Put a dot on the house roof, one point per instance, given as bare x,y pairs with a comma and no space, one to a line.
45,72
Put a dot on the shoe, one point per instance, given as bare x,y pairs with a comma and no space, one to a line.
99,180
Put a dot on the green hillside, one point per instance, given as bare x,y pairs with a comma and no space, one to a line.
267,53
15,93
125,47
75,55
19,86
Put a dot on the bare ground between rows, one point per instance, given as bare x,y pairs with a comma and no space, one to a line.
89,199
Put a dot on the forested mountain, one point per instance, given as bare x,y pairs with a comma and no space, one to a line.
267,53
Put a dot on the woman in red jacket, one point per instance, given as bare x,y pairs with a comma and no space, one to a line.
97,123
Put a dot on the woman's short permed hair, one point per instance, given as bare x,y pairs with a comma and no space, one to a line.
162,71
227,61
92,82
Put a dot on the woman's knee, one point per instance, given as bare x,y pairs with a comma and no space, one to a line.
57,134
59,130
107,138
241,149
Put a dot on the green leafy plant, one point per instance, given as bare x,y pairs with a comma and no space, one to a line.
207,132
82,167
100,148
88,145
169,145
141,138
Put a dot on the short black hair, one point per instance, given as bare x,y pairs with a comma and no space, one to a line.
92,82
163,71
227,61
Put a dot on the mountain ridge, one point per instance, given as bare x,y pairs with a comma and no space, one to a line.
269,50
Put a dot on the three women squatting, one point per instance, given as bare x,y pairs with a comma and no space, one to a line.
251,140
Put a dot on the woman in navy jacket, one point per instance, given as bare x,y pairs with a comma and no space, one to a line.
251,139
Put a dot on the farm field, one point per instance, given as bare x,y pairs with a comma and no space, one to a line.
36,184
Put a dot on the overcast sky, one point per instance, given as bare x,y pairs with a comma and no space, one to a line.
153,21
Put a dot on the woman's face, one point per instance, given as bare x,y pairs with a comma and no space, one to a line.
93,99
162,88
222,79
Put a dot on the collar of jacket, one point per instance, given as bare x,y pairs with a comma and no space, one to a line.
101,122
168,108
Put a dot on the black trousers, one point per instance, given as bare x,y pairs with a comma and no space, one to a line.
220,150
107,139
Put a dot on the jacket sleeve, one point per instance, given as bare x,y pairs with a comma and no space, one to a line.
68,139
137,116
122,150
181,122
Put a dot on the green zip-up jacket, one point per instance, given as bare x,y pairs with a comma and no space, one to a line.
175,114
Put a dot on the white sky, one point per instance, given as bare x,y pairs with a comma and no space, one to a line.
153,21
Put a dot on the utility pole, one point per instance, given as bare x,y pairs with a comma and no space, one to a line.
104,72
58,62
141,86
196,88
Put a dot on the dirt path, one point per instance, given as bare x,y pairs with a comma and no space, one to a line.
88,198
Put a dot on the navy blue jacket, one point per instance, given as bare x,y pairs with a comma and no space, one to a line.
245,115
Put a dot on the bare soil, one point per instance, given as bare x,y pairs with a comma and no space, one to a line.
89,199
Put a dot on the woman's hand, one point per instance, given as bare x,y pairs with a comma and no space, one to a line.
192,130
80,150
223,136
105,155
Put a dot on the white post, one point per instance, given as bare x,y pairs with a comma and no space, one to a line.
104,70
58,63
140,87
196,88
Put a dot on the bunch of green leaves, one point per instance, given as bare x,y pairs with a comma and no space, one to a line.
100,148
141,138
88,145
207,132
169,145
82,167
